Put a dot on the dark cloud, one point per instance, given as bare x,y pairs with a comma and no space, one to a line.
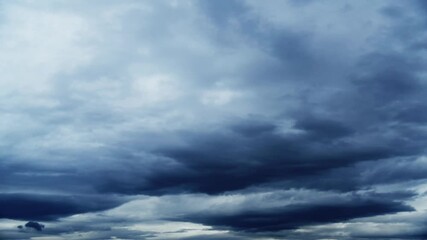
50,207
212,97
295,216
413,113
421,5
323,128
294,51
372,118
253,128
234,160
417,235
387,78
37,226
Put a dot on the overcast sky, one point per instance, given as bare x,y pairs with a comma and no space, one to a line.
213,119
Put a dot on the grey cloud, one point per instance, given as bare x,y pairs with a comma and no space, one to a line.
314,208
215,97
51,207
37,226
253,128
296,216
222,162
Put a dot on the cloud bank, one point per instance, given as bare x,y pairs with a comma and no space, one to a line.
225,119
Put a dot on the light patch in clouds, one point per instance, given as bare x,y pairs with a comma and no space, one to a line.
219,97
27,47
175,230
155,89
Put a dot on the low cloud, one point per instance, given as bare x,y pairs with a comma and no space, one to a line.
35,225
288,119
51,207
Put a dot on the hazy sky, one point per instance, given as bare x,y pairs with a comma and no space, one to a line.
213,119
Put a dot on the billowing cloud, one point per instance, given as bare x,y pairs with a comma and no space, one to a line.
227,119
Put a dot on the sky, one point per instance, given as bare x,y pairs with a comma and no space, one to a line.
213,119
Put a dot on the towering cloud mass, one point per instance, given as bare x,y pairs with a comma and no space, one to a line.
222,119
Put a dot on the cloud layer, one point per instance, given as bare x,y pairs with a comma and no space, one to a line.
226,119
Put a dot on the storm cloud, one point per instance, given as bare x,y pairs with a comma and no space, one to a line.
225,119
37,226
48,207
